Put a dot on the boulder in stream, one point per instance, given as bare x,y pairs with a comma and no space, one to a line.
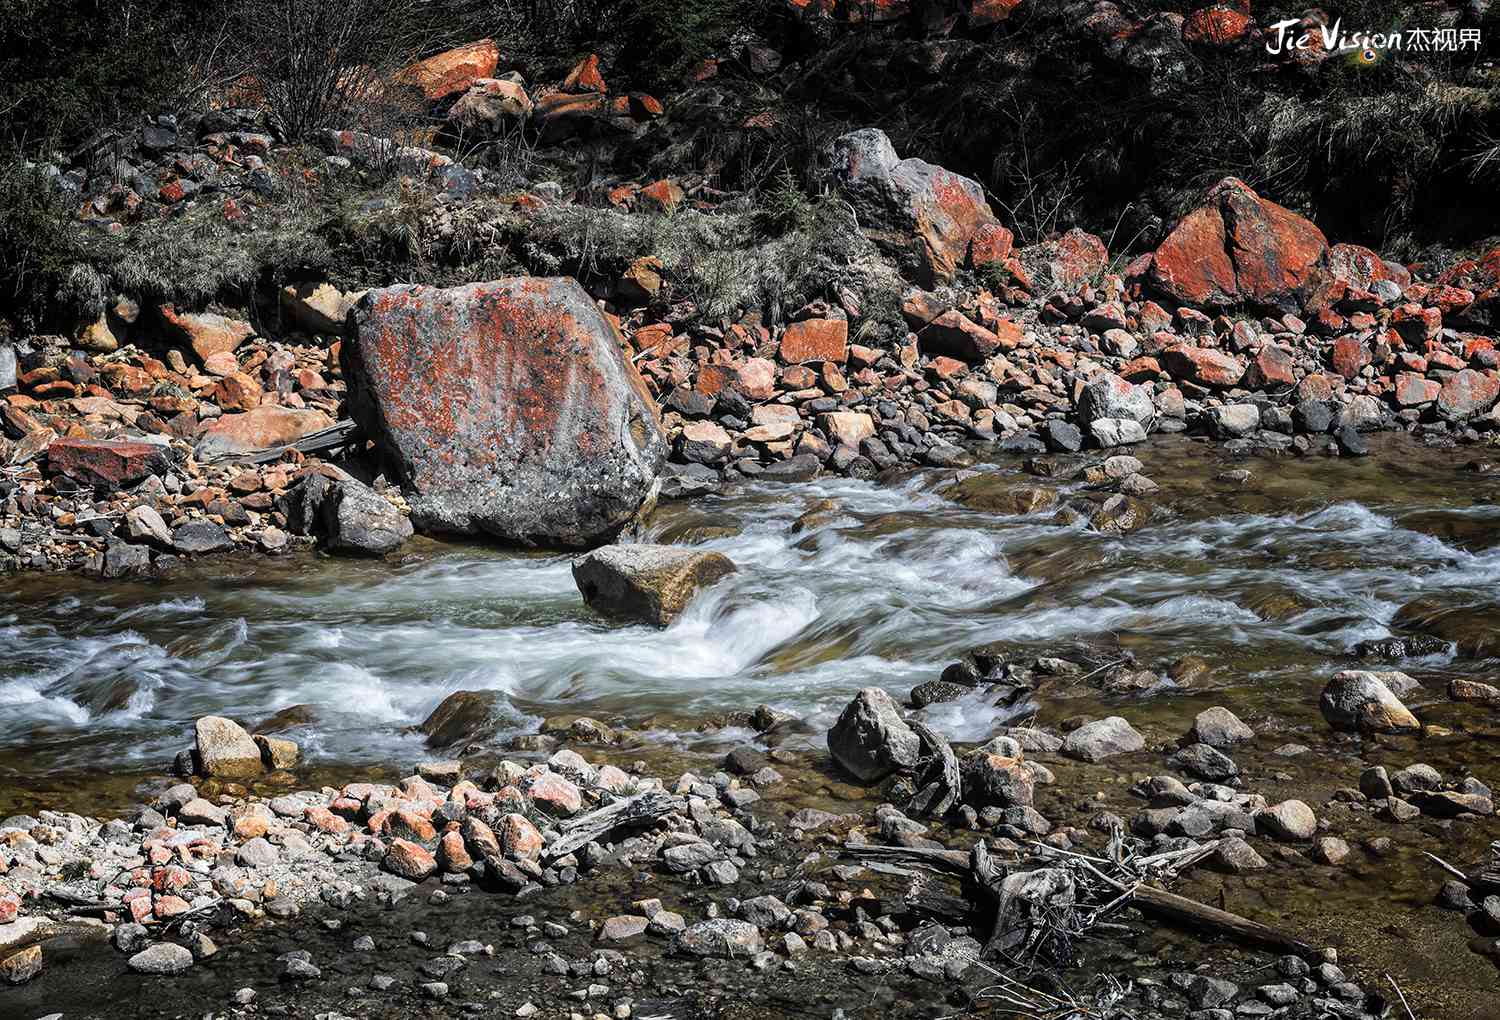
1357,700
651,583
505,409
871,740
1102,738
361,522
225,750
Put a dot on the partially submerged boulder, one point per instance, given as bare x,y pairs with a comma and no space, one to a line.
360,521
224,749
505,409
871,739
910,205
652,583
1357,700
1102,738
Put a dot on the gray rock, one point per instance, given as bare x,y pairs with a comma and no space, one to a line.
257,853
506,409
653,583
1107,396
7,367
720,938
144,524
200,537
1289,821
162,958
1205,762
123,560
1102,738
1112,432
870,739
926,214
131,938
1360,701
225,749
358,521
1219,727
1206,992
1233,420
1375,783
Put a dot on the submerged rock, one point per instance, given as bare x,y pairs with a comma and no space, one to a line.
506,409
1474,630
652,583
162,958
870,739
1102,738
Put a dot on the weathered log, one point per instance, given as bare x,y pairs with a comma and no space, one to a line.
635,812
331,438
1171,907
944,786
924,900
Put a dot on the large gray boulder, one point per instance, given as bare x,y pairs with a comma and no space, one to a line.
359,521
1360,701
652,583
1107,396
7,367
910,206
162,958
1219,727
871,740
1102,738
505,409
225,749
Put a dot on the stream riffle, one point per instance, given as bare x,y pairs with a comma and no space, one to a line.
1272,581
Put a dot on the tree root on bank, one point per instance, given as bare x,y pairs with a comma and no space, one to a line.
1045,899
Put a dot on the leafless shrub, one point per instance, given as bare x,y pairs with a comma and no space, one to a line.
331,63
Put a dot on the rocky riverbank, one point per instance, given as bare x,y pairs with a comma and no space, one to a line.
160,431
568,886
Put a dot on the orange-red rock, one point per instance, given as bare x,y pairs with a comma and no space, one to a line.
1216,25
1239,248
265,426
585,76
990,12
506,409
112,464
815,340
205,333
1203,365
1467,393
454,70
1349,355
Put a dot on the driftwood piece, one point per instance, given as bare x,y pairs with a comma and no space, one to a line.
331,438
635,812
943,786
924,900
1171,907
987,873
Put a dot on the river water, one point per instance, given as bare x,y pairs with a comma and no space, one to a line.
1271,581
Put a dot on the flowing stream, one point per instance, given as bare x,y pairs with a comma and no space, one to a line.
1271,581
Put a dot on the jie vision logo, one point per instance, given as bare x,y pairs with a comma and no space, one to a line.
1295,34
